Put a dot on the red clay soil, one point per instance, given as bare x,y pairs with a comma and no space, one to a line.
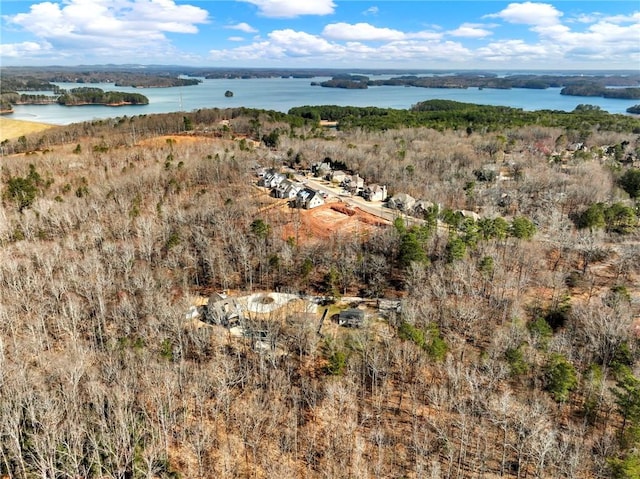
325,221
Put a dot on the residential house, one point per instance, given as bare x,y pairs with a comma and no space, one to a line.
320,169
226,312
375,192
271,179
287,189
308,198
353,183
352,318
337,176
402,202
423,207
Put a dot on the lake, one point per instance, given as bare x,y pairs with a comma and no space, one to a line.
281,94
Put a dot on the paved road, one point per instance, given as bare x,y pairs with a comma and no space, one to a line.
375,208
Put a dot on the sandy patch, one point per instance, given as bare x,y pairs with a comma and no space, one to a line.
11,129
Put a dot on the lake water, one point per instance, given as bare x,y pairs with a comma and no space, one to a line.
281,94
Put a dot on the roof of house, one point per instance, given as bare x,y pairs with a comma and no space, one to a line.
403,197
352,313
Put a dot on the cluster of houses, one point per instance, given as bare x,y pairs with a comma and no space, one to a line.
300,195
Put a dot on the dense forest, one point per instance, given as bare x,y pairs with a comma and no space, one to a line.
73,97
450,114
577,85
597,90
97,96
27,79
510,348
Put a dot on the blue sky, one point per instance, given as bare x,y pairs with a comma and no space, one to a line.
324,33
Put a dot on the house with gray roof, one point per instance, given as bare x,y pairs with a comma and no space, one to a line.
286,189
271,179
308,198
375,192
401,201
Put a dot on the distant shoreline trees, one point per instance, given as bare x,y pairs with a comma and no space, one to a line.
97,96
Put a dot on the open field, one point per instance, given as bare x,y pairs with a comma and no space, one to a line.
10,129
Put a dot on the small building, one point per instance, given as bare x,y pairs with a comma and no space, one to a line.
320,169
402,202
351,318
226,312
287,189
422,207
375,192
337,176
271,179
308,198
353,183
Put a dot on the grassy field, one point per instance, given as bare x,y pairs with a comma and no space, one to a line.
10,129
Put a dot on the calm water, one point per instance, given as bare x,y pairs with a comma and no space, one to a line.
281,94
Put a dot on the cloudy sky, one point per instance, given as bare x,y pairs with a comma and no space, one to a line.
324,33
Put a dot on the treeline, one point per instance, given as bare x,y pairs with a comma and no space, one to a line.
12,84
455,115
487,80
97,96
597,90
26,79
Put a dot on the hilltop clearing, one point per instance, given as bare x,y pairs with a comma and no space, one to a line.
12,129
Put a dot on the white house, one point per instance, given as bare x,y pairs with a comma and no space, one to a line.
337,176
353,183
375,192
286,189
402,202
308,198
271,179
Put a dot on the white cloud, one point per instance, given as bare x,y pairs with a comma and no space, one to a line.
292,8
371,11
360,32
236,39
633,18
286,46
108,27
470,30
366,32
243,27
529,13
281,45
602,41
18,50
508,51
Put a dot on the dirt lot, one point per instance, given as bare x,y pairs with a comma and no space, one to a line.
323,222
